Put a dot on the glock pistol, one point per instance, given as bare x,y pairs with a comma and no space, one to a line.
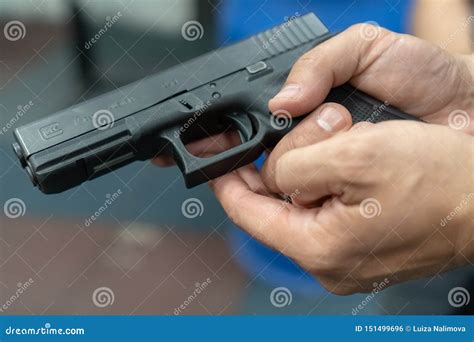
226,89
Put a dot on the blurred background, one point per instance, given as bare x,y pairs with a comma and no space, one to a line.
143,254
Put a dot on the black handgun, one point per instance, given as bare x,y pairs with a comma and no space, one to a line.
226,89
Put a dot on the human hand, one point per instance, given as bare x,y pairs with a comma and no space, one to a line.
407,172
414,75
370,203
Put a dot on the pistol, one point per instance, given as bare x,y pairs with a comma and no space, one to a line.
225,89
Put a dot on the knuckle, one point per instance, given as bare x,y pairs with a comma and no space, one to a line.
307,58
354,158
233,214
356,28
363,29
230,201
297,140
282,168
307,63
371,40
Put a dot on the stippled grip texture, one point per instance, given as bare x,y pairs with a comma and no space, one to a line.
364,107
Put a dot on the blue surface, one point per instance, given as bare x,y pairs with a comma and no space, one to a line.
249,328
242,18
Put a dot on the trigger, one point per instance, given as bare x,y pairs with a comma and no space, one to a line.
243,123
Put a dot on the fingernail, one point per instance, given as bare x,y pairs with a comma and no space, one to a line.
289,91
330,119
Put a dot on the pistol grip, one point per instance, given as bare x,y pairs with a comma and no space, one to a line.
364,107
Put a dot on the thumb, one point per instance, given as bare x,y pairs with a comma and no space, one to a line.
331,64
323,169
326,121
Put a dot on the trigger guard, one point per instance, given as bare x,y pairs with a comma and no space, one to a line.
197,170
244,125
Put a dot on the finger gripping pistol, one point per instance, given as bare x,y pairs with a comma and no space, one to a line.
226,89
